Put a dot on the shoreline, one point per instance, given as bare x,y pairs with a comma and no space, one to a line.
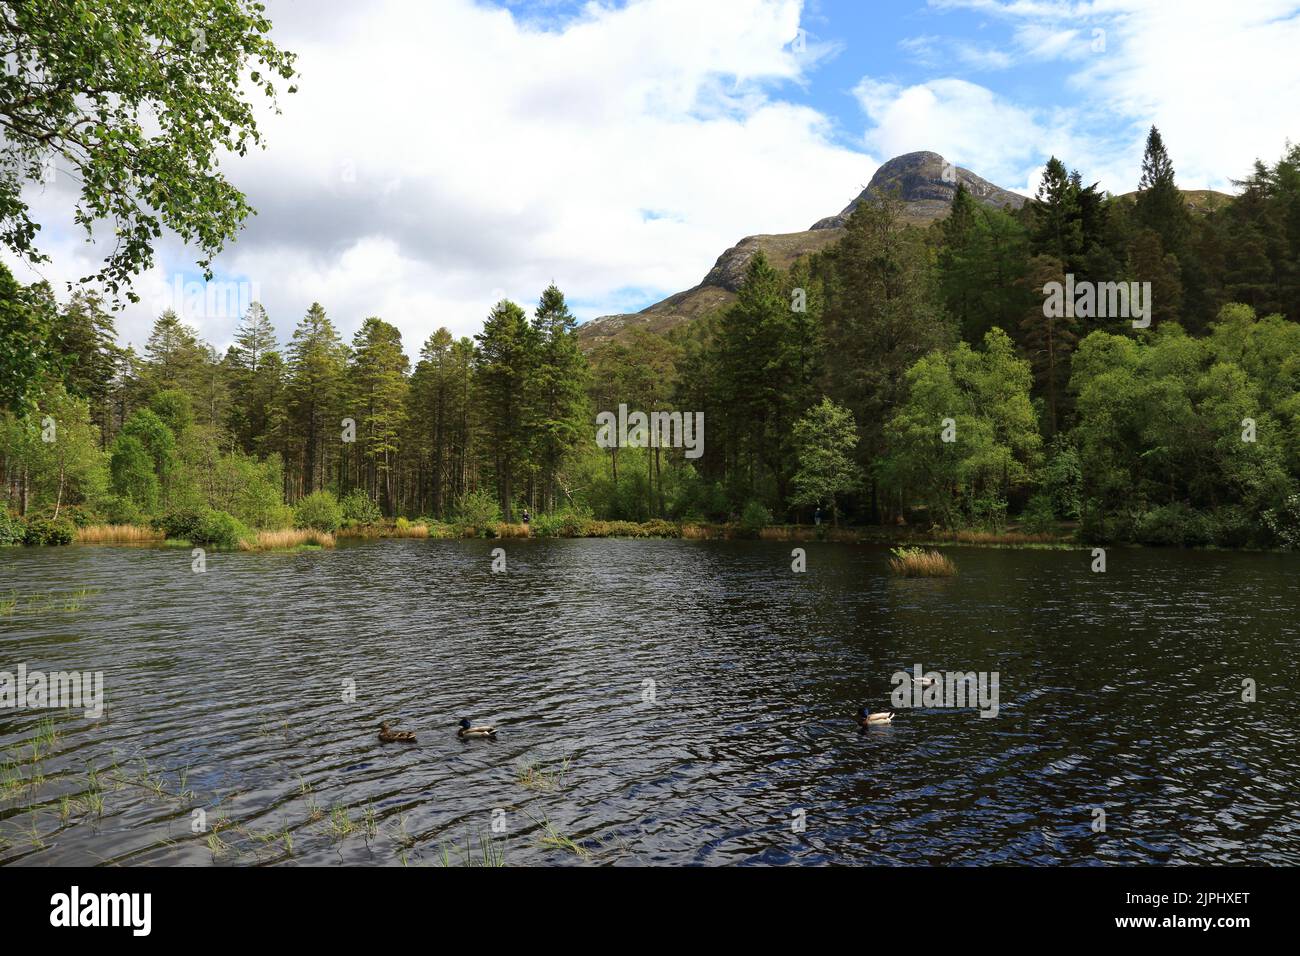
305,539
1065,538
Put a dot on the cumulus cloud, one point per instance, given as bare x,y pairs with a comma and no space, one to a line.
965,122
443,154
1219,79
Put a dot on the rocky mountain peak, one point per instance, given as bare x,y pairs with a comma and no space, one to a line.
925,183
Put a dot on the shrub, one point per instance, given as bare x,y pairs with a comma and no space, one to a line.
567,523
119,509
1063,478
318,511
1173,524
220,529
754,519
180,523
42,531
988,511
276,518
78,515
478,510
1231,527
359,508
1283,523
659,528
13,530
403,528
1039,516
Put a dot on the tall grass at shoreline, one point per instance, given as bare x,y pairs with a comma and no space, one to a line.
402,528
920,563
286,539
568,525
117,534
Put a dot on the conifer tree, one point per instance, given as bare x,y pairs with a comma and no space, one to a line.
316,367
377,402
507,356
558,392
1160,206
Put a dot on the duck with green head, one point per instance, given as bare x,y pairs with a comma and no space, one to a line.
470,730
879,719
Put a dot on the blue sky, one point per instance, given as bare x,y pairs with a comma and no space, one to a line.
444,154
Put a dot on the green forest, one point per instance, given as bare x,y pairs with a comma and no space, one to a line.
904,376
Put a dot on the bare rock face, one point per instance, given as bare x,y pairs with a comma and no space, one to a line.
925,183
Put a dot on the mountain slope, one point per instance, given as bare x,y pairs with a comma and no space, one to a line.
921,181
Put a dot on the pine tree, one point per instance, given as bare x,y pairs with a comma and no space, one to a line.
1160,206
507,356
316,366
86,337
173,358
1048,340
253,369
377,401
559,386
254,338
1058,228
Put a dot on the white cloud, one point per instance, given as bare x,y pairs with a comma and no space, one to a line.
965,122
441,154
1219,79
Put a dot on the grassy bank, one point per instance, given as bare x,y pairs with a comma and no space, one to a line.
577,527
126,534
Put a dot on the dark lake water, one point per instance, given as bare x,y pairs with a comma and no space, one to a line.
226,692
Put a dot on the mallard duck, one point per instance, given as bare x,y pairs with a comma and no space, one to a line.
871,720
389,736
469,730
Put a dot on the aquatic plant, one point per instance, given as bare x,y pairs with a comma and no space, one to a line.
919,563
340,822
553,838
532,776
489,853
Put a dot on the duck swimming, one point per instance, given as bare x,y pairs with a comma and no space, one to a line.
469,730
879,718
389,736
